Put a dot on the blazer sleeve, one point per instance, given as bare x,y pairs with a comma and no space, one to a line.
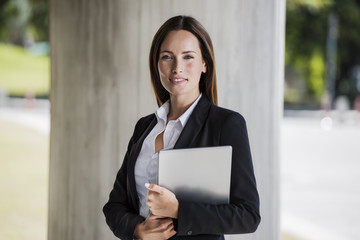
120,216
242,214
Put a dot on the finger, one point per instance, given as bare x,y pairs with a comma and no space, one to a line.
166,224
152,195
152,216
149,202
154,188
159,225
171,232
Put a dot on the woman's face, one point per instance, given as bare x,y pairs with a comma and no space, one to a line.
181,64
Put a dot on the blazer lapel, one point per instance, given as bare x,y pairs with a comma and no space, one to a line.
132,160
192,128
194,125
138,143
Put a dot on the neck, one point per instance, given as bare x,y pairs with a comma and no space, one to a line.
179,105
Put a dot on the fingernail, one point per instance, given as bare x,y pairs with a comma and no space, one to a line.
147,185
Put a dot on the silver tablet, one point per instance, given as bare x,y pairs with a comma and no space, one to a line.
197,174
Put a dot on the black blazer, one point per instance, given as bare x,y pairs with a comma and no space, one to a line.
208,125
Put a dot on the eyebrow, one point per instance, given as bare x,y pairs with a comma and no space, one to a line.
185,52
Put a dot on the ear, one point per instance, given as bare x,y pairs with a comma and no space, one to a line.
204,67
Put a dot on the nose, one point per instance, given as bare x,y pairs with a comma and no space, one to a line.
177,67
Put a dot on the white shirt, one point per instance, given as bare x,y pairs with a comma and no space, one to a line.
147,162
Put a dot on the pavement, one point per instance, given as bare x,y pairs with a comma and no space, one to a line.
36,119
33,114
320,177
320,166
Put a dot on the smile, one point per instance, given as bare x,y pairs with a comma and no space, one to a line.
177,80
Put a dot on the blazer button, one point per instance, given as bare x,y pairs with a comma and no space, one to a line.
189,232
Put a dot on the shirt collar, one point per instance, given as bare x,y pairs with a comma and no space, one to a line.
162,112
185,116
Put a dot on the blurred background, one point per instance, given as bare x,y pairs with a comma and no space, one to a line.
320,130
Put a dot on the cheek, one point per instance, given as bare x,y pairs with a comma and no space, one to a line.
160,67
163,68
196,68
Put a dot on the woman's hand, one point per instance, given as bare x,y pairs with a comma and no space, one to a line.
161,201
155,228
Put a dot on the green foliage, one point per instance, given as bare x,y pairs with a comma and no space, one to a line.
17,14
3,17
22,73
312,5
316,75
39,20
306,30
23,21
306,39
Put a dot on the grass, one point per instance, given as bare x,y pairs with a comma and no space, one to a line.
24,163
21,72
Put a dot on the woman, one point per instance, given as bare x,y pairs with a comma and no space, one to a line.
183,76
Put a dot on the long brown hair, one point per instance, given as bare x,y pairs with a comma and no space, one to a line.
207,83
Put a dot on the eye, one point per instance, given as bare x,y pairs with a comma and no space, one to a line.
188,57
166,57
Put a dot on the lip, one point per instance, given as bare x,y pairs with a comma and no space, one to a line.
177,80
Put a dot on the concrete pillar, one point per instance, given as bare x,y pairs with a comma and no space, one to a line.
100,87
250,51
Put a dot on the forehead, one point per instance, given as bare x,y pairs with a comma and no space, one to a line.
180,40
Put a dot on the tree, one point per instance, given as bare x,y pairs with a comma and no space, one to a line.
22,21
305,60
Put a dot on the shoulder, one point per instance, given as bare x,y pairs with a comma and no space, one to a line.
231,126
145,120
143,123
225,115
